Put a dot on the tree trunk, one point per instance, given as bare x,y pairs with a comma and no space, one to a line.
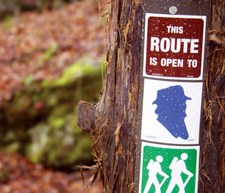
114,129
212,166
113,121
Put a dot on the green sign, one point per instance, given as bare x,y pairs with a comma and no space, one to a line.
169,169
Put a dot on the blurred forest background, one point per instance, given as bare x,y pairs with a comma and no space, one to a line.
51,56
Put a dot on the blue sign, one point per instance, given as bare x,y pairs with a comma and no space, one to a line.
171,110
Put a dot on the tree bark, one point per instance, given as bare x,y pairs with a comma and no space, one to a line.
114,130
212,166
113,121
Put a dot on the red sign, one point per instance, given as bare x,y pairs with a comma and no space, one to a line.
174,46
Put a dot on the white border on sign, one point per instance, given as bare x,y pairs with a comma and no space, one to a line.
152,130
197,148
147,15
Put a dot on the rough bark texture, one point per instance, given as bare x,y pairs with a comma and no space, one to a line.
115,128
116,113
212,166
113,121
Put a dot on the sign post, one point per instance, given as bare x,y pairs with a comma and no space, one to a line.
171,98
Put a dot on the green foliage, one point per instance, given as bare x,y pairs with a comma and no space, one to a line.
83,68
49,53
41,122
28,80
7,22
4,175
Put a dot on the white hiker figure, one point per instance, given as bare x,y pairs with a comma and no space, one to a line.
178,167
154,168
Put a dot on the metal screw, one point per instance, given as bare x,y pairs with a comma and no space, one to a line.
173,10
